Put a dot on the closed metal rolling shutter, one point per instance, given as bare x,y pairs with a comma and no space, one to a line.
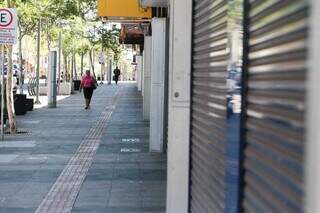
208,106
275,106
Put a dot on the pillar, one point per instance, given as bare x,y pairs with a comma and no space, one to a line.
158,76
52,80
139,71
312,193
147,77
179,106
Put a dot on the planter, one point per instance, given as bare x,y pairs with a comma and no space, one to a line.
65,88
20,104
76,84
5,114
43,90
29,104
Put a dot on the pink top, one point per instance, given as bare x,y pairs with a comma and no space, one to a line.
87,81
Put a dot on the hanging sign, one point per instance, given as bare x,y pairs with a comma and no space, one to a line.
8,26
101,58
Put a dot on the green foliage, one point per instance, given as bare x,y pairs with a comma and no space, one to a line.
83,46
236,11
105,39
28,15
76,19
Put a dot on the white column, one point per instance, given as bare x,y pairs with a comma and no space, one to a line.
147,77
142,75
139,71
179,106
158,72
312,202
52,80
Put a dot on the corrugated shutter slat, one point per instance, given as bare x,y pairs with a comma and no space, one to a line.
208,123
275,106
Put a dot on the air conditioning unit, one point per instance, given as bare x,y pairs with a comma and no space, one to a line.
154,3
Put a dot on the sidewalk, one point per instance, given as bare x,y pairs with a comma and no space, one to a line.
83,161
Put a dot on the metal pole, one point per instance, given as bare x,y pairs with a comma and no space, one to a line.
52,88
2,92
59,61
38,63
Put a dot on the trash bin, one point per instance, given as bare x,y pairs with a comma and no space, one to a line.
29,104
20,104
76,84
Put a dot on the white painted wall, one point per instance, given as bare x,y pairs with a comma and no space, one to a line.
158,70
313,118
147,77
179,106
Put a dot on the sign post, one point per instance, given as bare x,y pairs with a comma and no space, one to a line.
8,36
2,91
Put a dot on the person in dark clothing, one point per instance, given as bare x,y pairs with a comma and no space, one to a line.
116,74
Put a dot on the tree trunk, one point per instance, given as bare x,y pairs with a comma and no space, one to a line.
21,75
48,41
9,93
71,73
69,67
75,67
59,61
82,56
9,89
72,67
92,65
65,68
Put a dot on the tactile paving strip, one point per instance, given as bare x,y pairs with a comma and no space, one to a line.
63,194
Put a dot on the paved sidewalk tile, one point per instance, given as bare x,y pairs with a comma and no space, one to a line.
123,177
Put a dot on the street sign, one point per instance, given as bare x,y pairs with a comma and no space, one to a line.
8,26
101,58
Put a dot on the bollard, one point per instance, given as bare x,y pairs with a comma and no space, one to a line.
52,80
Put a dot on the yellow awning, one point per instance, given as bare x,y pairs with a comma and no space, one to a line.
123,9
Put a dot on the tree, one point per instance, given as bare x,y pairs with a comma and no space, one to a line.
104,39
27,21
9,87
82,49
52,13
109,40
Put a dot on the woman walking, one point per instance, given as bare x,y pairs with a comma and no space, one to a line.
88,83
